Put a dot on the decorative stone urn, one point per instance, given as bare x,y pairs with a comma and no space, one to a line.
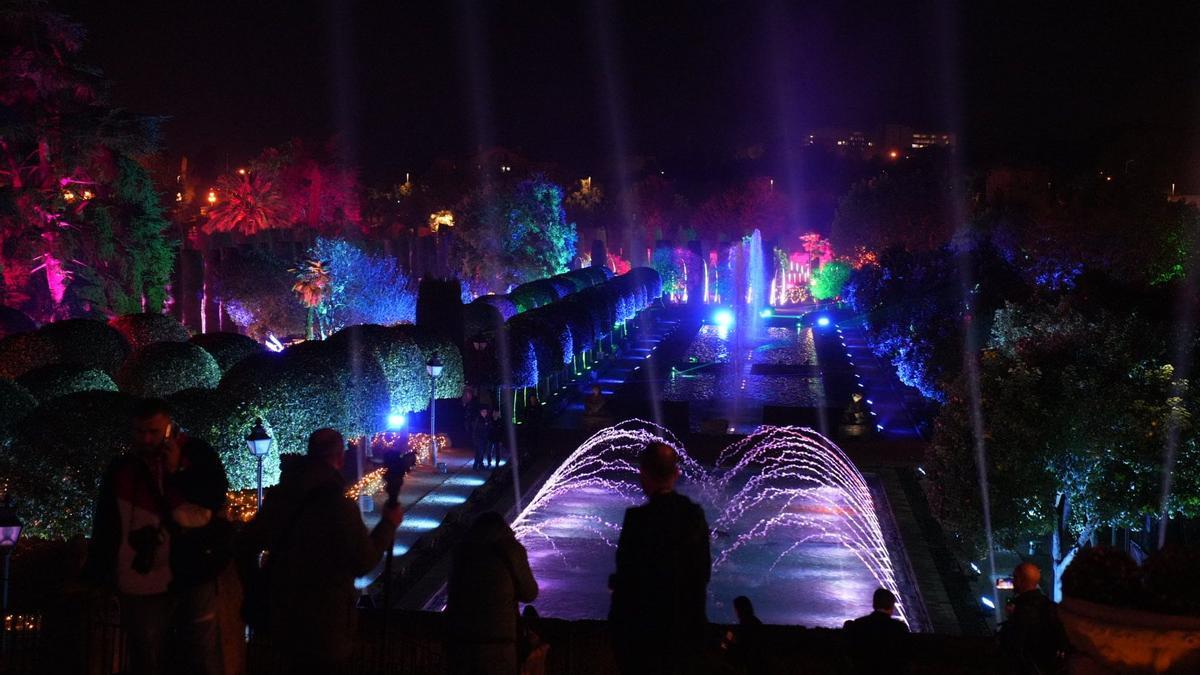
1121,640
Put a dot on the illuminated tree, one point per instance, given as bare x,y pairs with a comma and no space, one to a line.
362,288
63,151
312,289
910,208
1077,409
739,210
829,280
508,237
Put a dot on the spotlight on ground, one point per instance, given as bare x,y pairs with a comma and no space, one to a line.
723,317
987,602
822,321
396,421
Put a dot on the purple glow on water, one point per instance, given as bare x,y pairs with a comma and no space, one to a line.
794,526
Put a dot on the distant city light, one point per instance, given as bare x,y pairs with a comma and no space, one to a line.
893,154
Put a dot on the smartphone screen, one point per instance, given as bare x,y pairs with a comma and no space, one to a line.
1004,584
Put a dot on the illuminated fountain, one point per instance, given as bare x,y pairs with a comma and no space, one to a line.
793,521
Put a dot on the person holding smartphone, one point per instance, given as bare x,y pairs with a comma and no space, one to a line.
159,541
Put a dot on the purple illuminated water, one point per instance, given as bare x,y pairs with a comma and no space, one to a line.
794,526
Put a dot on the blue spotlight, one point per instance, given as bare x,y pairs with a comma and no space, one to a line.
723,317
396,421
987,602
822,321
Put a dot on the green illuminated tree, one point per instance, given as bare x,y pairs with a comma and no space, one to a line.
829,280
511,236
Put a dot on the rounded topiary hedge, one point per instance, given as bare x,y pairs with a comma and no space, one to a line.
146,328
87,342
450,383
361,382
57,456
534,294
400,358
480,318
503,304
163,368
59,379
24,352
226,348
293,395
15,403
13,321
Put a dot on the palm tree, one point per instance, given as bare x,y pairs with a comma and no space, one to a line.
312,288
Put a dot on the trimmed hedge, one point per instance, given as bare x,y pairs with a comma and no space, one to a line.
15,403
13,321
400,358
146,328
59,379
24,352
293,395
503,304
226,348
87,342
450,384
361,383
59,453
163,368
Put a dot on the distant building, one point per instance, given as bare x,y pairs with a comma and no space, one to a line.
891,139
901,137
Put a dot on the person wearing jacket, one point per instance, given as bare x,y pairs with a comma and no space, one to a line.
159,541
489,575
660,589
316,545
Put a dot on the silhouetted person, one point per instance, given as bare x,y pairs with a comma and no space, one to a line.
317,545
481,435
496,439
532,649
593,404
659,590
532,426
489,575
1033,639
159,541
879,643
743,642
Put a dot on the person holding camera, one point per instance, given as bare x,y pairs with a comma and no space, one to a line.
160,541
310,539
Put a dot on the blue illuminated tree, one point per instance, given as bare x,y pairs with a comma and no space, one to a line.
364,288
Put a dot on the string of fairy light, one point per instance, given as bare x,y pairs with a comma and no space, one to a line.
243,504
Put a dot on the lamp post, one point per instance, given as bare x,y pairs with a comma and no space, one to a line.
434,368
259,442
10,532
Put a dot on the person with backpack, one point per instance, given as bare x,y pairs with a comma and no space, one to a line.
302,553
1032,640
159,541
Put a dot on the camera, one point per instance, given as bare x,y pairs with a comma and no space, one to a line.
145,542
398,464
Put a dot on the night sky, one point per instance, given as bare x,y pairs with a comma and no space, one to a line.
685,82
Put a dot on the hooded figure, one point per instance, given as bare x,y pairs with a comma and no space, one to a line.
489,576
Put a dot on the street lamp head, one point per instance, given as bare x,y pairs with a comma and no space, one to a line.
259,441
10,525
434,367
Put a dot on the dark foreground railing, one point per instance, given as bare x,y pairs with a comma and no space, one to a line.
92,643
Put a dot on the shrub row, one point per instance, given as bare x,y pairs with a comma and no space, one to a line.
65,419
543,340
